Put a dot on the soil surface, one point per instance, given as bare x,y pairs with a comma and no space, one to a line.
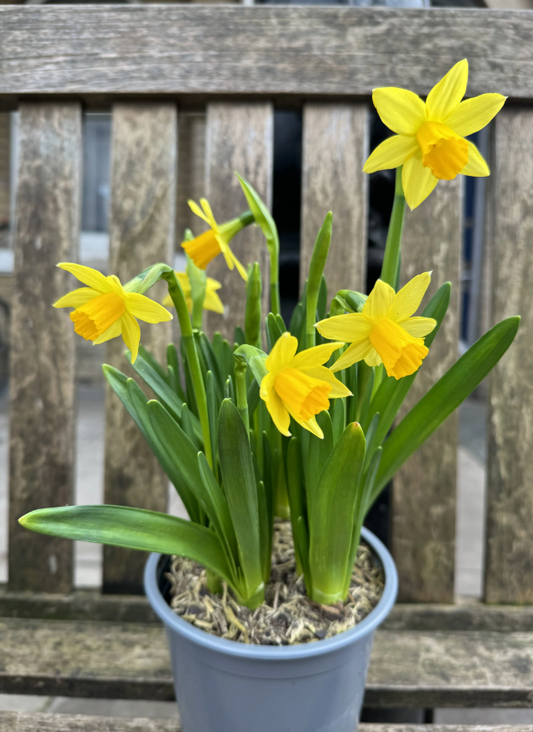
288,616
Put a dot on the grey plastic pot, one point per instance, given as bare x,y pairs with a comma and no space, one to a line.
224,686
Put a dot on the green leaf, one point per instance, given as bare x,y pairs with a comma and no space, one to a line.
255,358
322,303
445,396
241,492
262,216
161,389
133,528
135,402
296,492
331,517
316,453
221,515
273,330
179,449
210,361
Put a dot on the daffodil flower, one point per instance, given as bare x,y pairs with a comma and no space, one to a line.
211,243
212,300
106,310
429,140
299,386
385,331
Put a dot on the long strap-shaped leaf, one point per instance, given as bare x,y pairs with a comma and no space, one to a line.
144,367
445,396
133,528
240,486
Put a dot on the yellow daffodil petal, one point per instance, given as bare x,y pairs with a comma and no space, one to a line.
282,354
213,302
354,353
402,354
197,211
311,425
373,358
338,389
208,212
274,405
419,327
351,328
401,110
446,96
76,298
93,318
476,166
203,248
302,395
378,303
391,153
408,299
417,181
145,309
240,269
315,356
131,333
87,275
474,114
114,332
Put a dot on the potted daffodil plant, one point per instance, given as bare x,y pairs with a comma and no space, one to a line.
279,442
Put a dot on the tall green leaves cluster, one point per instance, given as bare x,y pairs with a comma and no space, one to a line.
233,470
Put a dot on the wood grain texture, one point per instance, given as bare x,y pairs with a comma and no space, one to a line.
42,412
335,147
240,137
191,170
129,661
509,550
24,722
142,221
424,493
301,51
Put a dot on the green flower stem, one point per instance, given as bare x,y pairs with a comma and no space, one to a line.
241,367
275,304
316,270
178,298
391,258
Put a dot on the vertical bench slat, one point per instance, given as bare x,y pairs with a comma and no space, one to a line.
335,147
424,493
509,548
240,137
42,442
142,222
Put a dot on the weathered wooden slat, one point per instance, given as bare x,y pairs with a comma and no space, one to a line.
240,137
424,493
42,413
91,605
509,550
121,660
258,50
23,722
335,147
142,221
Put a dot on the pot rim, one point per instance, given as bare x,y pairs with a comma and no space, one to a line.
277,653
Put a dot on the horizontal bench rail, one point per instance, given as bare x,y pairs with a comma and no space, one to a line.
23,722
180,51
130,661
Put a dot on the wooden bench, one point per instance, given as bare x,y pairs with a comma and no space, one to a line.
147,64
